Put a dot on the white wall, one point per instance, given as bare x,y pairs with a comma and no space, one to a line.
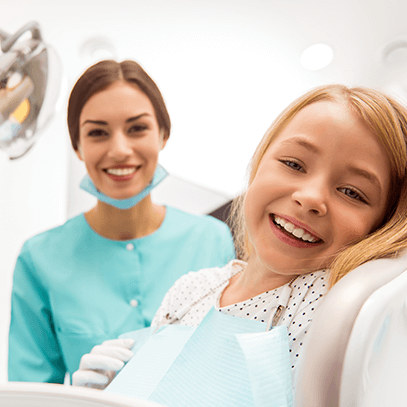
225,67
33,198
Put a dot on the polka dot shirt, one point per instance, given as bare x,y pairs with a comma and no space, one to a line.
202,290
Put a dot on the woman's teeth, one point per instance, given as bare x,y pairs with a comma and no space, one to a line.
297,232
121,171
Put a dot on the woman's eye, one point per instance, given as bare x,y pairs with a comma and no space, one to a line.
97,133
137,128
293,164
351,193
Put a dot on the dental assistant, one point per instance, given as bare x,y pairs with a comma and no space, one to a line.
106,271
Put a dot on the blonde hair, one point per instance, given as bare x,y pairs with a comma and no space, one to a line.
387,118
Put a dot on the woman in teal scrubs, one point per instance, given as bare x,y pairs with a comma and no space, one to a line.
106,271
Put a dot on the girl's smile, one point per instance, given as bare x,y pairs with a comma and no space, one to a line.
293,232
322,183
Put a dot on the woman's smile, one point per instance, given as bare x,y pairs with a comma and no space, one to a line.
122,172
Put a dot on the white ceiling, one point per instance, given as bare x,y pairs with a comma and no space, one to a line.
226,68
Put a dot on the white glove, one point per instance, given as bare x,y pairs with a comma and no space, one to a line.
98,368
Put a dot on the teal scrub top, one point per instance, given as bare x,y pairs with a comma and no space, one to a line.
74,289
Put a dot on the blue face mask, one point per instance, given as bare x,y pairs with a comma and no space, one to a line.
88,186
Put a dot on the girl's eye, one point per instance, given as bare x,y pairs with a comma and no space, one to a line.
293,164
353,194
97,133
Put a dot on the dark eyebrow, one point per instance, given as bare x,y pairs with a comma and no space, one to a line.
131,119
103,123
302,142
95,122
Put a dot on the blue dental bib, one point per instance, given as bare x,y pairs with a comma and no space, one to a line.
225,362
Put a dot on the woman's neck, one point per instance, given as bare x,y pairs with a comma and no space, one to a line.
118,224
255,279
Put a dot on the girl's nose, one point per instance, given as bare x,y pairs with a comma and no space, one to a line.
119,147
312,197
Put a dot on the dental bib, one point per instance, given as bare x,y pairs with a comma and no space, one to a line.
225,362
88,186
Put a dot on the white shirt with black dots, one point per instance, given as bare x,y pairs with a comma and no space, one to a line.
202,289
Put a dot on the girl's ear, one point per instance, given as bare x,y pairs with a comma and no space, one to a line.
79,152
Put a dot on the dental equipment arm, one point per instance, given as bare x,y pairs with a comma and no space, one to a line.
30,86
99,367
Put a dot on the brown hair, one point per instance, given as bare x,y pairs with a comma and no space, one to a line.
387,118
105,73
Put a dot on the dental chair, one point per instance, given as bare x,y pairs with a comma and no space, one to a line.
356,354
17,394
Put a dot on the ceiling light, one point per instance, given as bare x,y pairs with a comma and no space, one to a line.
395,53
316,57
96,49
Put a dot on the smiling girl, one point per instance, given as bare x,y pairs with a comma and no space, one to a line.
106,271
326,193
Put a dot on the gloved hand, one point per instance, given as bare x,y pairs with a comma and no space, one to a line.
98,368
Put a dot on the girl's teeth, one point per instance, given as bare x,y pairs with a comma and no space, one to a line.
307,236
289,227
297,232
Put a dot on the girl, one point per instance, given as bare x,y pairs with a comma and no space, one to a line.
326,193
106,271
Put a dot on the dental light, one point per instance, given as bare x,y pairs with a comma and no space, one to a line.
30,85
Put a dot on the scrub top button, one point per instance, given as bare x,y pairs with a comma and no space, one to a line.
130,246
134,303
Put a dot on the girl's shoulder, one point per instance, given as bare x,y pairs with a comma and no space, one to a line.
205,279
310,287
315,279
191,288
307,293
